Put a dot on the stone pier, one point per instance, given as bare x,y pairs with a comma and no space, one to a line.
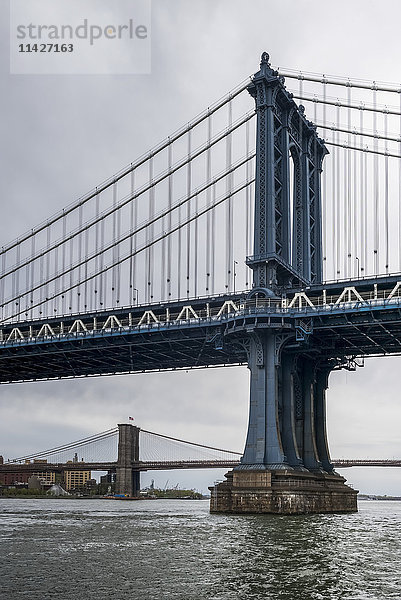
282,492
286,466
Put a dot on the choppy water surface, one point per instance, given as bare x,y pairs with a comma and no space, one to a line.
165,549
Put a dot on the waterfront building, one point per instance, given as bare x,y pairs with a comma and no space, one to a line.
76,479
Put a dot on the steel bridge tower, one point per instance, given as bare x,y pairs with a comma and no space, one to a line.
286,464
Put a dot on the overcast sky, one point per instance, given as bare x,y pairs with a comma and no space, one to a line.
63,134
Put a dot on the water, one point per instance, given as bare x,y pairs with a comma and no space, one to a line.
174,549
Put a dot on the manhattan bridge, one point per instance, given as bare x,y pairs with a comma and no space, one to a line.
266,232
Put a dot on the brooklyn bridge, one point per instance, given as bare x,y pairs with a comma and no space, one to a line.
127,451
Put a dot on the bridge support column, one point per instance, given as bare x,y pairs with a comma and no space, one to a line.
127,479
286,467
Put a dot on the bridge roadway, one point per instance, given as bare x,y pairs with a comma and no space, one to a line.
334,321
170,465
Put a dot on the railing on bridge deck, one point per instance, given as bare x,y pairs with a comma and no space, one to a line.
383,293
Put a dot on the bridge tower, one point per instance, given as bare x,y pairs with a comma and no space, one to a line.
286,464
127,479
289,157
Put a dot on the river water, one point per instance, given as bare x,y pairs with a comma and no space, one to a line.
174,549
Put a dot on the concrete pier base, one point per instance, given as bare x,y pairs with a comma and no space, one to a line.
282,492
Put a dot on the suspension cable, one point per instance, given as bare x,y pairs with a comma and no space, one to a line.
146,188
167,437
134,165
341,104
142,227
365,149
340,81
58,449
121,260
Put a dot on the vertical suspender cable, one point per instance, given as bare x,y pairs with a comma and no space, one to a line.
63,260
213,243
12,288
196,225
86,246
334,205
349,188
135,279
27,282
149,236
97,242
399,193
103,276
57,281
79,257
114,250
375,185
169,220
324,199
247,202
31,301
71,258
117,243
355,211
362,199
338,207
3,287
365,225
162,262
179,258
188,227
47,290
208,200
17,261
134,291
131,291
386,196
151,231
229,207
345,209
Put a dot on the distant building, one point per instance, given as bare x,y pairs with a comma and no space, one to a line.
109,478
74,480
90,485
46,477
12,478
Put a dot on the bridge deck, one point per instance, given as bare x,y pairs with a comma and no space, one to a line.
359,319
170,465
